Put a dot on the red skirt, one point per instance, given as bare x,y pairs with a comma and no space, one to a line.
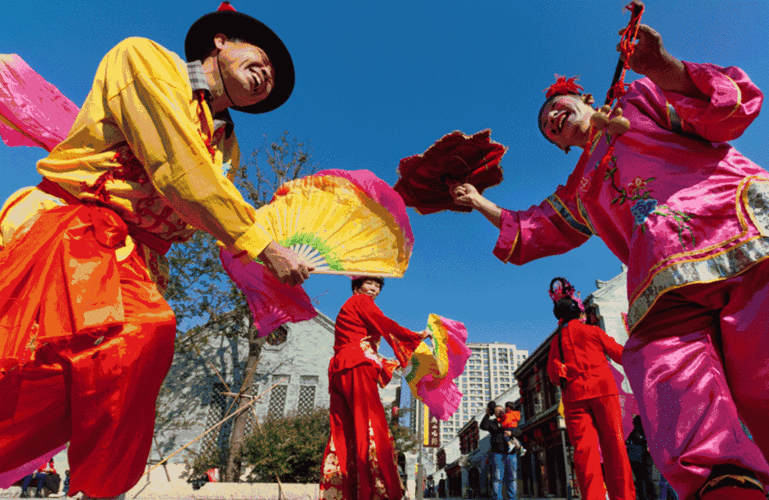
360,461
85,342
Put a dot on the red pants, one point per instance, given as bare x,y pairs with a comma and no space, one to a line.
698,364
359,463
100,398
590,422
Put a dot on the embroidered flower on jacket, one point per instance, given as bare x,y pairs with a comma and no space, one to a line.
636,185
642,209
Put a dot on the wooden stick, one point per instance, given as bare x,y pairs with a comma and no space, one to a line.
160,454
215,426
232,394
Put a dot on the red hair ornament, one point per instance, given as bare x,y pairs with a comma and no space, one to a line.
562,86
560,288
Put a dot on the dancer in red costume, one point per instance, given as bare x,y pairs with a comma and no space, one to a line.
590,399
359,463
85,335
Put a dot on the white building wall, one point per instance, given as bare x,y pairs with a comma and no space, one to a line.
190,402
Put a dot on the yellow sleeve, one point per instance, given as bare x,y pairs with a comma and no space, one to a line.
148,93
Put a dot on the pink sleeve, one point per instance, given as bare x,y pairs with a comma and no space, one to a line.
734,103
551,228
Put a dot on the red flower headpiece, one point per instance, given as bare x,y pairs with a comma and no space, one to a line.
560,288
562,86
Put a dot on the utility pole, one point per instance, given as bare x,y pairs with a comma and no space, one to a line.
420,493
566,464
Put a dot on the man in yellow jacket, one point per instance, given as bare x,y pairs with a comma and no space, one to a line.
86,337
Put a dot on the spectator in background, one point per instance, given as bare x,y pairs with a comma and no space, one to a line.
640,461
508,423
38,476
666,491
66,482
504,463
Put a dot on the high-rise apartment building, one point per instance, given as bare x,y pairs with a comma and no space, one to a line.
489,372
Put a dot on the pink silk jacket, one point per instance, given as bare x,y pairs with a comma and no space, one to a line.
675,202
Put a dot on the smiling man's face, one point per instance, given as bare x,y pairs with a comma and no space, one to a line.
246,71
565,120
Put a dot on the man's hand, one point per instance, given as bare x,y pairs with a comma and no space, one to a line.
650,58
285,264
465,194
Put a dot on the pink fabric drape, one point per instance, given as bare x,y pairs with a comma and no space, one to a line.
441,395
32,111
8,478
271,302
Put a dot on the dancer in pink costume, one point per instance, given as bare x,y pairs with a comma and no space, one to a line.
689,215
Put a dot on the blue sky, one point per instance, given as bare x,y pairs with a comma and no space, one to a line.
379,81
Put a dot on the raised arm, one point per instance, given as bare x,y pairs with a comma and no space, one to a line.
651,59
715,103
403,341
551,228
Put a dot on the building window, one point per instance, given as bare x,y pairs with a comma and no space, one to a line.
278,337
277,404
468,440
306,398
440,459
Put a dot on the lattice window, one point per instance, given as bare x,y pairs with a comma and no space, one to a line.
306,398
277,401
278,337
216,410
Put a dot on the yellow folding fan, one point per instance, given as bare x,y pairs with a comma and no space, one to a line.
342,222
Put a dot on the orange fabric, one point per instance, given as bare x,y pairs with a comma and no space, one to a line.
590,422
58,280
64,291
585,367
511,419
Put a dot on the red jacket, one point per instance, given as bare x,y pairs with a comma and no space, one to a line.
359,328
585,366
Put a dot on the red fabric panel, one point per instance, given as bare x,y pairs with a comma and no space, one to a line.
590,422
585,348
361,440
100,398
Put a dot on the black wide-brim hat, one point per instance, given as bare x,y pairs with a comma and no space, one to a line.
200,42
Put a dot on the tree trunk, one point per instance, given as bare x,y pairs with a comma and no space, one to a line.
238,434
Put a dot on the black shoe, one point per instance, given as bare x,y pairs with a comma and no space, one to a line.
24,494
39,494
